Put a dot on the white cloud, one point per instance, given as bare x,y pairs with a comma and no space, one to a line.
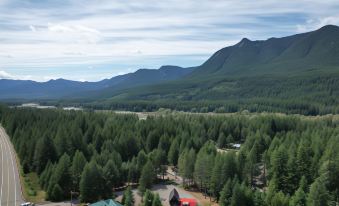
316,23
126,32
5,75
32,28
73,33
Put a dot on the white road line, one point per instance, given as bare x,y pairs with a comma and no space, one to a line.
7,174
2,172
11,155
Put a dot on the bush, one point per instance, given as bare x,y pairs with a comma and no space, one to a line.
31,192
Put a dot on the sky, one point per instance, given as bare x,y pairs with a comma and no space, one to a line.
89,40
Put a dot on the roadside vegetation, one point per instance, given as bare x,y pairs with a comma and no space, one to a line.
31,188
283,160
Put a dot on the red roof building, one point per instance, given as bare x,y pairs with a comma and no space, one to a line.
188,202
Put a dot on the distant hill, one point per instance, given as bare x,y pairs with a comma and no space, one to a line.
61,88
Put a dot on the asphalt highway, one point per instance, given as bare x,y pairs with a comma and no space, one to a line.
10,189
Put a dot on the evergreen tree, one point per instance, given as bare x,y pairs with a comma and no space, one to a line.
216,182
303,162
226,194
141,160
156,200
319,195
222,141
148,198
111,177
56,193
240,196
279,169
204,166
279,199
60,141
44,152
78,164
147,177
173,154
62,177
186,165
259,198
299,197
92,183
128,199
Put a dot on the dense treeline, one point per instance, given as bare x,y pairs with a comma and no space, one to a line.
316,94
312,94
283,160
296,106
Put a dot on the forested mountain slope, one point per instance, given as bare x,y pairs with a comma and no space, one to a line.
316,50
297,74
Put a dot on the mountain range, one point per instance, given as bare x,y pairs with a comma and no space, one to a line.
300,71
61,88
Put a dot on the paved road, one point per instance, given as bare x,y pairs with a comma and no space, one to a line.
10,189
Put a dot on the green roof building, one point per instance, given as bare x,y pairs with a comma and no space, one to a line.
109,202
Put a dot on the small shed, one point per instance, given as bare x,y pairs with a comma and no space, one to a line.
174,199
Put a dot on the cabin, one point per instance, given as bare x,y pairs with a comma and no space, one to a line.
108,202
175,200
188,202
235,145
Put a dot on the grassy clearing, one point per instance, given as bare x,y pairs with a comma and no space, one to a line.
32,190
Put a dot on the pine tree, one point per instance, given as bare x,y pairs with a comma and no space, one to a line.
60,141
226,194
78,164
62,176
128,199
173,154
259,198
222,141
156,200
216,182
111,176
299,198
186,165
240,196
148,198
319,195
141,160
44,152
303,162
91,183
279,169
203,167
147,177
56,193
279,199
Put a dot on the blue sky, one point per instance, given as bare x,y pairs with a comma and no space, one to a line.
91,40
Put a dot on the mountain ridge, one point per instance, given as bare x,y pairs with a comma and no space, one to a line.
299,73
63,88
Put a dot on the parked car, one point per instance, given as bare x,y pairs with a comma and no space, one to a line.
27,204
